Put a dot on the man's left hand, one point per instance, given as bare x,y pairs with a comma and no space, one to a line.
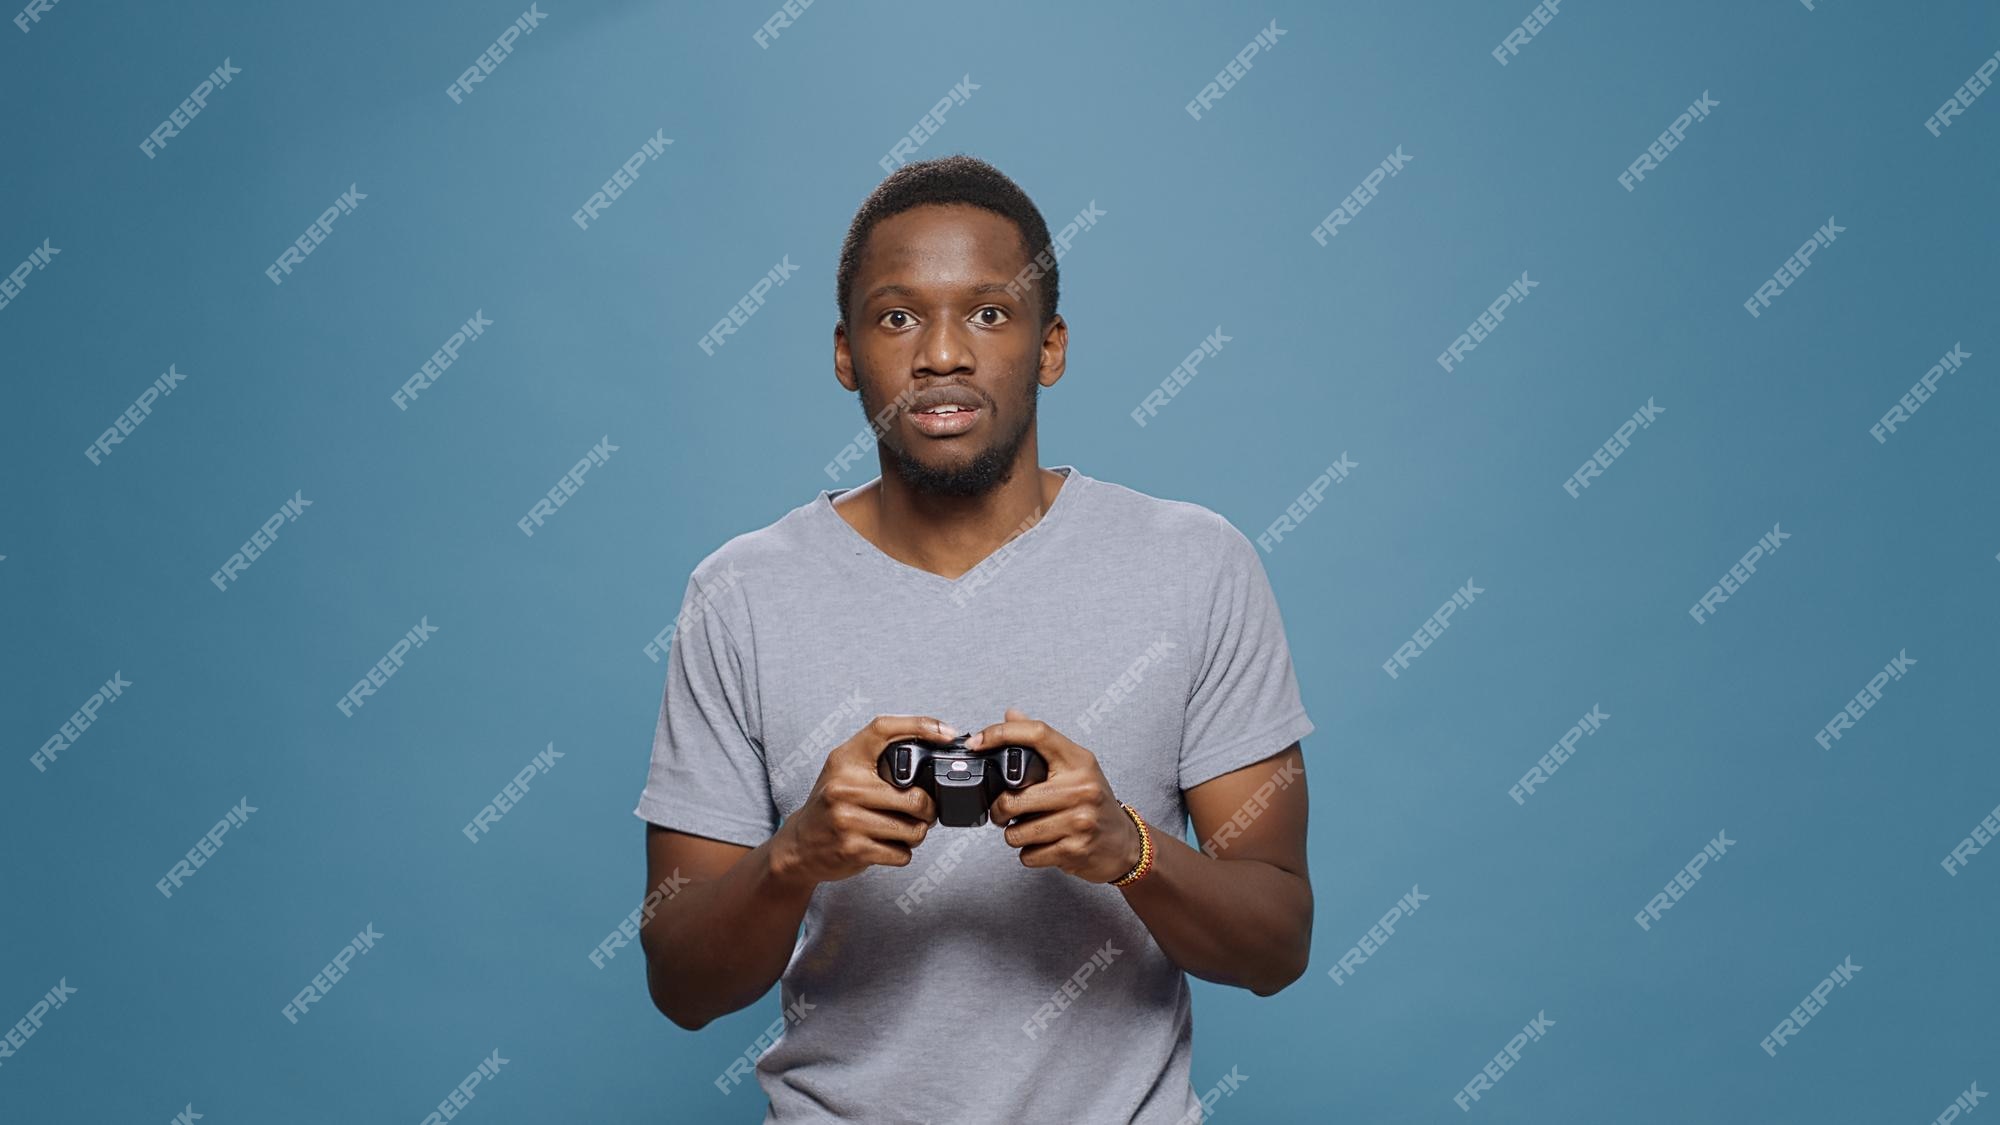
1070,820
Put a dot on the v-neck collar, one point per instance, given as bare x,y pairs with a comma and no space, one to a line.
1013,548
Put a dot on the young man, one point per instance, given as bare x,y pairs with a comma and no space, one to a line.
990,974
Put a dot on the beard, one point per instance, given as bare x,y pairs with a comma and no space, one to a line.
988,469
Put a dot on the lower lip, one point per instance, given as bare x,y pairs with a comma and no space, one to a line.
945,425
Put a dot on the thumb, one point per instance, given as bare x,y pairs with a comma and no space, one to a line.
1014,714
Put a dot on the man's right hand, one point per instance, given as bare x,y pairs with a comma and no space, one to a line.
854,820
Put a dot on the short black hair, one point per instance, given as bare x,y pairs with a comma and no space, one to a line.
947,179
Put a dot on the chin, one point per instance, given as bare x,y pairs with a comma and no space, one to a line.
968,475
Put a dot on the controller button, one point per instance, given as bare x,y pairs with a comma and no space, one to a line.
902,761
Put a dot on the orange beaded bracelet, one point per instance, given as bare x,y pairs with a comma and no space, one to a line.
1145,850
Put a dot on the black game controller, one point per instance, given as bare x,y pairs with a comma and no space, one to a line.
962,782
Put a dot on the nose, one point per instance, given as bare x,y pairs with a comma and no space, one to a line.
944,348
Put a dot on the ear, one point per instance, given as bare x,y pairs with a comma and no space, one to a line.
843,357
1055,351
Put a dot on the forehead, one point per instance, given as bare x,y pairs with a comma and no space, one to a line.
941,244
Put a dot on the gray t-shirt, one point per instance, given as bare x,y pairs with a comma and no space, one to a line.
966,988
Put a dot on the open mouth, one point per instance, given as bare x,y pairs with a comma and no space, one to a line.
945,420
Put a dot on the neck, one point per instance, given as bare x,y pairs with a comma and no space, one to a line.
949,535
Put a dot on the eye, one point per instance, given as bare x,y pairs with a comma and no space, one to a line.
894,312
999,313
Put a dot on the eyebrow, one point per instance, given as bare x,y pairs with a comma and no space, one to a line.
906,291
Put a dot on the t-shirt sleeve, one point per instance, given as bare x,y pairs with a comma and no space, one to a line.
1244,705
707,776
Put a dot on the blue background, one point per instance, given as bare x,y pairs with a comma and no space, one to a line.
1459,476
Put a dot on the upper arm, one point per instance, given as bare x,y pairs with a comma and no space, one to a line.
678,858
1256,812
673,861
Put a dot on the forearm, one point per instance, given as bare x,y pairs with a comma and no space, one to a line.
1239,922
719,944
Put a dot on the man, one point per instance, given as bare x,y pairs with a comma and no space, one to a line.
989,974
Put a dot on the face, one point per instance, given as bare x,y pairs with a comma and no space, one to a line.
935,326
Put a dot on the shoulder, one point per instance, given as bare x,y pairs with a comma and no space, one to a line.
1192,534
756,557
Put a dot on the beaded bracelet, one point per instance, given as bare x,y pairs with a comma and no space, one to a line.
1145,850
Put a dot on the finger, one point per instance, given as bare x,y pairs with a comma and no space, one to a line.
1042,828
870,791
879,854
868,742
851,829
1055,748
881,824
1044,855
1033,799
901,829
